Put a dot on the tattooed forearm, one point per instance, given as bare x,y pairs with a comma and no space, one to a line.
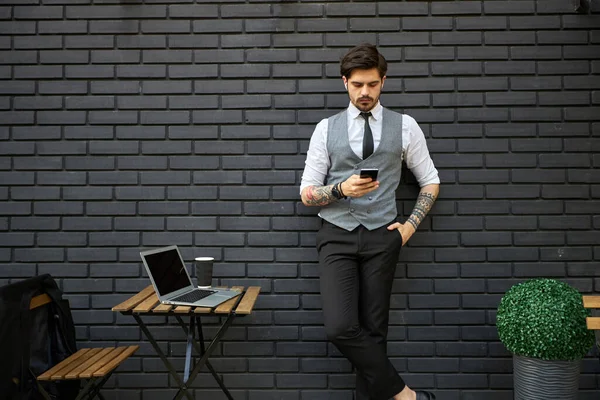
318,195
424,203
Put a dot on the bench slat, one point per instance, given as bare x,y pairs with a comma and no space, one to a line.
72,358
182,309
247,304
112,354
39,301
115,362
591,301
593,322
147,305
225,308
60,375
135,300
74,373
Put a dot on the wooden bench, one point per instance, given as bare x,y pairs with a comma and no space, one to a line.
592,302
92,364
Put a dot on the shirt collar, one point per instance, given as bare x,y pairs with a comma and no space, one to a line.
375,111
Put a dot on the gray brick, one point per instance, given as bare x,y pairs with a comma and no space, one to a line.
218,25
115,56
39,255
114,26
34,193
14,87
35,133
426,23
140,42
64,87
17,208
87,193
112,117
163,208
142,102
17,117
38,72
62,27
248,223
481,23
454,38
141,71
482,53
18,57
537,22
89,102
139,223
193,162
86,42
246,40
109,87
193,41
223,177
36,223
269,25
113,178
277,86
164,117
18,28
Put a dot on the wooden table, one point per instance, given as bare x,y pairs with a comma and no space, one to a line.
146,303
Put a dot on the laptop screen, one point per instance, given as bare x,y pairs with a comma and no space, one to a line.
168,271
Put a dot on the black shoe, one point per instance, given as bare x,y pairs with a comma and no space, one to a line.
423,395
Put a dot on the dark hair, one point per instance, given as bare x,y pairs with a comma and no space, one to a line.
363,56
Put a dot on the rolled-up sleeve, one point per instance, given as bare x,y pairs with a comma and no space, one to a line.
417,156
317,159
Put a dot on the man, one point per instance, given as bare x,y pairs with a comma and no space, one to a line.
360,240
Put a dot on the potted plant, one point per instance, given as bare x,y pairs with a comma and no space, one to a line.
542,322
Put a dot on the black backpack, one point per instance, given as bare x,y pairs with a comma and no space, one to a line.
33,341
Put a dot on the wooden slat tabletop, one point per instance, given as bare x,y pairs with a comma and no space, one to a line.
146,301
225,308
134,300
148,304
162,308
247,304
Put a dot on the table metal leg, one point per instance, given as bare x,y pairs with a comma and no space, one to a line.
182,386
188,350
211,347
208,364
200,349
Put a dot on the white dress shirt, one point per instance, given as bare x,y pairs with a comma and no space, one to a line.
414,147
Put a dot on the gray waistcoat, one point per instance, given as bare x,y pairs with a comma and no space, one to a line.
376,208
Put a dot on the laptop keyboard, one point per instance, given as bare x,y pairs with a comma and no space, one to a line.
194,296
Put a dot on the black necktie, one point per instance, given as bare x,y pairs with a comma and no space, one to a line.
368,137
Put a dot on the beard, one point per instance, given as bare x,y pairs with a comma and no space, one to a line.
368,104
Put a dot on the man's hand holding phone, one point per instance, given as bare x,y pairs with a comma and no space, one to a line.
359,185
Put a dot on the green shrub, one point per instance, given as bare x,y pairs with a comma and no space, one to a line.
544,318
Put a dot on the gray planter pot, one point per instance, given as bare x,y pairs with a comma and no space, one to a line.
537,379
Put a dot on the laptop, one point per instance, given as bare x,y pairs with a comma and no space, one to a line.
172,282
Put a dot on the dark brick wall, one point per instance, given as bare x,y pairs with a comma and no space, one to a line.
129,125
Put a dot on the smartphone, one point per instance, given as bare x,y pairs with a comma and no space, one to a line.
369,172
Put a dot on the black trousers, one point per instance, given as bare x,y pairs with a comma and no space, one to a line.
357,270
